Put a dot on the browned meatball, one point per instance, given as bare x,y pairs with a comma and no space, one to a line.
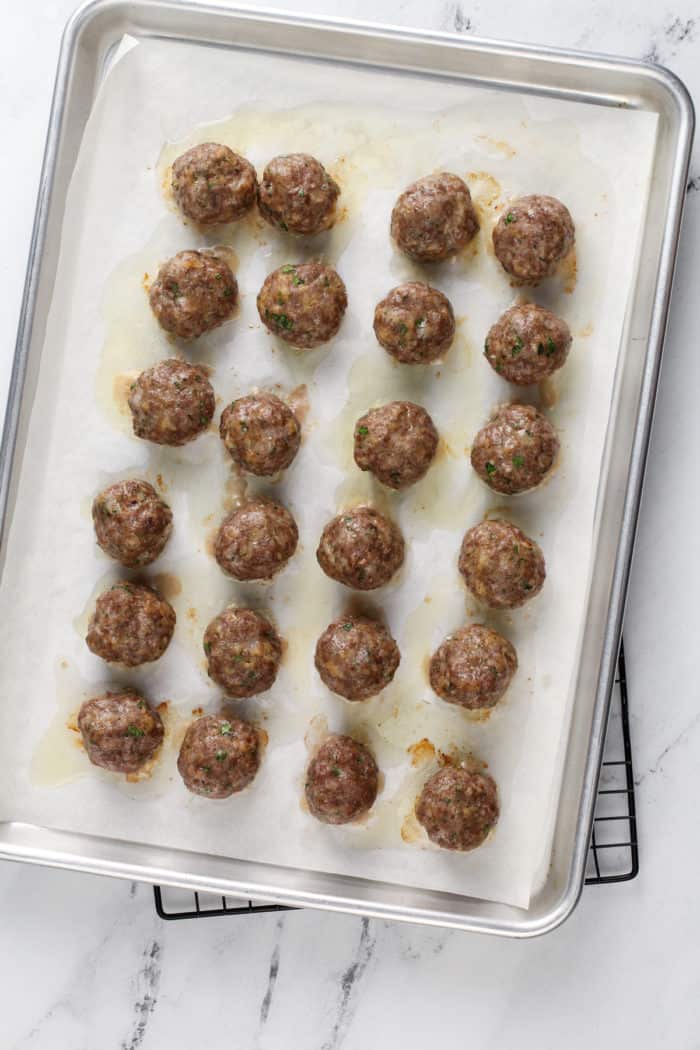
171,403
458,808
434,218
243,652
341,781
261,433
515,450
532,235
396,442
415,323
256,540
219,756
298,194
473,667
120,731
213,184
193,293
132,523
131,625
356,657
501,566
361,548
527,344
303,304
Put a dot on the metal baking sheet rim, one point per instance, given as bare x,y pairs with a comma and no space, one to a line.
97,26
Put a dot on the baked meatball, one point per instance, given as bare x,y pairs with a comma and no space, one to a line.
212,184
171,403
132,523
261,433
501,566
219,756
527,343
361,548
531,237
193,293
356,657
120,731
415,323
131,625
256,540
458,808
297,194
341,781
303,304
515,450
434,218
473,667
243,652
396,442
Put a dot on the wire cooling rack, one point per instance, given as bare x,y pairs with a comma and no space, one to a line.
613,855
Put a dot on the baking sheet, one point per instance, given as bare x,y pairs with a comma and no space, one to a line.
118,227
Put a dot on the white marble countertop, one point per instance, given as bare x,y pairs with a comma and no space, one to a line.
88,964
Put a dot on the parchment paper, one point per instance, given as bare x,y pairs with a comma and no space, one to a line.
376,132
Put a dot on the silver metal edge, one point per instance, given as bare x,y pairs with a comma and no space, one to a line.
677,93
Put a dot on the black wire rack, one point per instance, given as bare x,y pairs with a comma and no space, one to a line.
613,854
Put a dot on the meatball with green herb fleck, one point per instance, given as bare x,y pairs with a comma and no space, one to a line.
396,442
219,756
458,808
193,293
473,667
131,625
415,323
434,218
342,780
501,566
132,523
261,433
532,236
120,731
212,184
171,403
527,344
297,194
356,657
243,652
516,449
303,304
361,549
256,540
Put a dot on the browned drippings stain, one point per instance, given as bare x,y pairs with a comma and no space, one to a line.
500,145
569,271
163,707
298,401
191,613
160,483
64,664
210,541
197,711
586,331
411,830
168,585
263,737
235,490
121,388
421,752
549,394
146,283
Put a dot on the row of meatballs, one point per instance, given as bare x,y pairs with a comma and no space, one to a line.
304,303
360,547
432,220
173,402
220,756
